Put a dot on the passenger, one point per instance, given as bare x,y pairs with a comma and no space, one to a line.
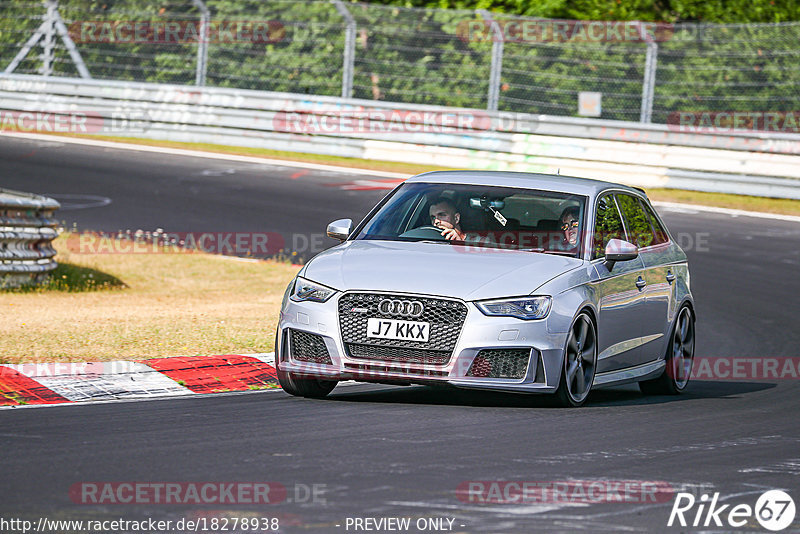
569,222
446,217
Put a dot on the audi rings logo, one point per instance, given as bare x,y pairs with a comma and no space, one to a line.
406,308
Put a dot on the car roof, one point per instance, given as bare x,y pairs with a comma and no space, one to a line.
528,180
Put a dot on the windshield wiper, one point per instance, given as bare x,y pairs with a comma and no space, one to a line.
429,241
560,253
543,251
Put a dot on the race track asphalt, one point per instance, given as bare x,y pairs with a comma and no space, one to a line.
382,451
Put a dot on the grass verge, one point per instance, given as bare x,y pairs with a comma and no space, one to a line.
101,307
782,206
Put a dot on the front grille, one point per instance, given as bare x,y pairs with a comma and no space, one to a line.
500,363
446,317
398,354
308,347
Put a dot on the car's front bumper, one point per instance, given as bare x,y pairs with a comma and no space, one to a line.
479,332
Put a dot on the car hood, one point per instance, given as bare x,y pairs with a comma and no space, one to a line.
469,273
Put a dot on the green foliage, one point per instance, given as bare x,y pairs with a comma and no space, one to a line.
424,56
716,11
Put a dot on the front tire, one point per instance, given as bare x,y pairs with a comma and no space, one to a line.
301,386
580,363
679,358
305,387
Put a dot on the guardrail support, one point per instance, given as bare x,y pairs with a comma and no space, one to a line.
349,55
649,80
53,23
47,44
496,69
202,44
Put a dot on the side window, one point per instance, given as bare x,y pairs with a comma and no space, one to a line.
608,225
640,233
660,234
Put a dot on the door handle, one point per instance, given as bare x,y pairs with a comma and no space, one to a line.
670,277
640,283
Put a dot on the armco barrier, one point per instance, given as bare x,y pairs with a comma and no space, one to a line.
27,229
753,163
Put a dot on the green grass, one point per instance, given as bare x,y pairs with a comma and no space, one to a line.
71,278
104,306
262,386
783,206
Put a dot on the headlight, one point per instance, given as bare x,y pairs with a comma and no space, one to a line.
308,290
522,308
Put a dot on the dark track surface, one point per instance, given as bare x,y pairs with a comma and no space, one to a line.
390,451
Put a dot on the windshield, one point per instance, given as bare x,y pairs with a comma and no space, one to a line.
484,216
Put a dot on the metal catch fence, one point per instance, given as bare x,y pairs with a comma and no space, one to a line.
612,70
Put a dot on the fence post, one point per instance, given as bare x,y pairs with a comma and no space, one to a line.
349,49
49,37
69,43
496,68
52,24
202,44
649,79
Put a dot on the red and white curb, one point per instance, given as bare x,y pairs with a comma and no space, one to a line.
59,383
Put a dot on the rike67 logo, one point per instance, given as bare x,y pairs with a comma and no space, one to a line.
774,510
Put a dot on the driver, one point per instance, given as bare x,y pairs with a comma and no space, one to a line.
445,217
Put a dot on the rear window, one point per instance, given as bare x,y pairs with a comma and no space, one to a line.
637,223
659,233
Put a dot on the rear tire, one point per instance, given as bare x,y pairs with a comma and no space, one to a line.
679,359
580,363
301,386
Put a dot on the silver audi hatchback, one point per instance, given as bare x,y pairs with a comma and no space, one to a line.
502,281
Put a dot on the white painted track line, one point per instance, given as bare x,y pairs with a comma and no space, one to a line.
202,154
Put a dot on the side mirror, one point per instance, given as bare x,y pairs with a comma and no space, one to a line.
619,250
340,229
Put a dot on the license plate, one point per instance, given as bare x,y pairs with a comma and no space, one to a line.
396,329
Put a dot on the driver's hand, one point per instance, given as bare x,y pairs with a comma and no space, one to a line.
451,234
